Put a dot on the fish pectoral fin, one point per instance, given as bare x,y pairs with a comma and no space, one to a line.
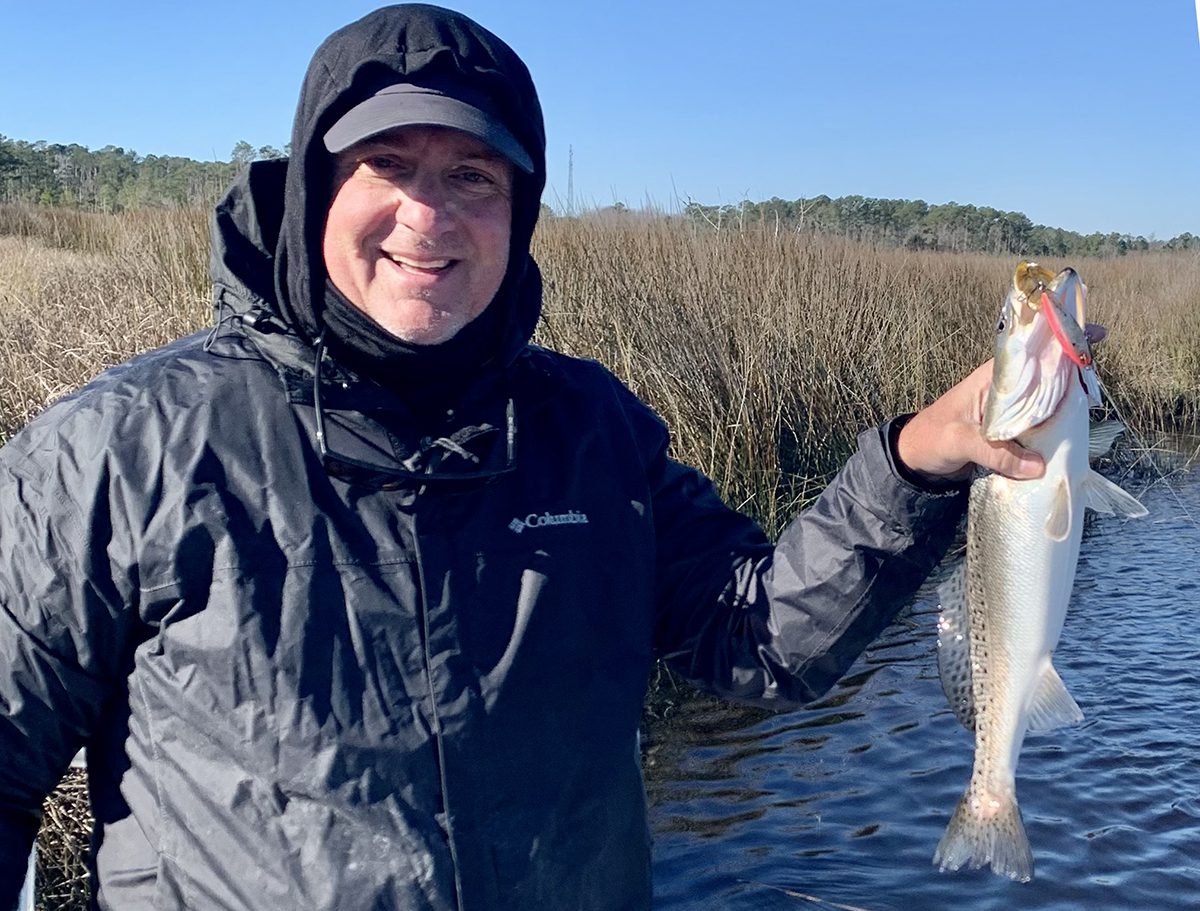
1104,496
1101,437
954,647
1058,523
1052,705
1091,386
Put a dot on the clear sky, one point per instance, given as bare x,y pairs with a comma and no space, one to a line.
1083,114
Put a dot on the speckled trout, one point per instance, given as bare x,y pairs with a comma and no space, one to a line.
1003,611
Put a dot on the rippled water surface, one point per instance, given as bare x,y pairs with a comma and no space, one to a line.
841,806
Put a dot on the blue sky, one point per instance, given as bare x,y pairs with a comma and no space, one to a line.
1083,114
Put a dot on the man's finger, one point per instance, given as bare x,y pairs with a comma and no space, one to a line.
1011,460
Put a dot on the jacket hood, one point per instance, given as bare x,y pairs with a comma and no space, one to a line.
279,208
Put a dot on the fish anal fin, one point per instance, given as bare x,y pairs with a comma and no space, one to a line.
1058,522
1104,496
1052,705
954,647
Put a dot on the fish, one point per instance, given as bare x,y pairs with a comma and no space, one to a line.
1002,610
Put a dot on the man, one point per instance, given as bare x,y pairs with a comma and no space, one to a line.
353,600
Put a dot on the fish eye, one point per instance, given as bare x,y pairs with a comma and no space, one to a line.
1000,324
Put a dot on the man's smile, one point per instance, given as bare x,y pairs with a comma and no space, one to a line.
422,266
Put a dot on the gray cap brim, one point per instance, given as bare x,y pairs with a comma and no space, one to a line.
406,105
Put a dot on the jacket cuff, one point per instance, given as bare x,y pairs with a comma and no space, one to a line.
911,502
890,433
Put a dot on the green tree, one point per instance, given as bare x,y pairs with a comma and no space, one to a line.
242,154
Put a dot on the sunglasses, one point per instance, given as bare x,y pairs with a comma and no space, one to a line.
392,477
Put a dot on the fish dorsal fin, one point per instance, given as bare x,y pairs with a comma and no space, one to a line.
1052,705
1104,496
1101,437
954,647
1058,522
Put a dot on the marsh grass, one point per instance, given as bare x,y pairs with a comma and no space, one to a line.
135,281
62,877
766,352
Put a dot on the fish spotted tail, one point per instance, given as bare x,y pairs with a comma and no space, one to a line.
996,838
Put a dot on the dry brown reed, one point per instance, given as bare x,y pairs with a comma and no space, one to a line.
135,281
64,229
765,351
62,878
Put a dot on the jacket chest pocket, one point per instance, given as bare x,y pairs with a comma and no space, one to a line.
563,605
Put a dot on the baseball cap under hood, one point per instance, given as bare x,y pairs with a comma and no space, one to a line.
424,46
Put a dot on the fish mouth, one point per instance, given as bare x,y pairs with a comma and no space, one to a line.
1030,401
1029,278
1050,298
1037,350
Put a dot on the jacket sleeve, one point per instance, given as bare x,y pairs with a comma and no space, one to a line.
780,624
59,626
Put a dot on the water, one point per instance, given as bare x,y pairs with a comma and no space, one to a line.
840,806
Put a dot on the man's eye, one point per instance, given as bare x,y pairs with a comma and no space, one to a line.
477,177
379,162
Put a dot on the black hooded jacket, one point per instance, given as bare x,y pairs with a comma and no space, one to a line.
407,674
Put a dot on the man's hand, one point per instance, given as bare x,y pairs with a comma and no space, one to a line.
943,440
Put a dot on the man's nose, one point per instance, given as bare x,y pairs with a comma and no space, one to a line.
425,207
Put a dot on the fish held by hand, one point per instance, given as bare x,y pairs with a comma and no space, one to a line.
1003,610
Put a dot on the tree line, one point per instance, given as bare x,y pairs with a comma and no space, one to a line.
917,225
113,179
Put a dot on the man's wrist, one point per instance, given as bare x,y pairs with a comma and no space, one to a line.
919,479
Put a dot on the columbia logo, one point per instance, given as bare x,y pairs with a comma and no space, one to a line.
533,520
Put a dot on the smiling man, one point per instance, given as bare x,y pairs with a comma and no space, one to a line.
353,599
418,231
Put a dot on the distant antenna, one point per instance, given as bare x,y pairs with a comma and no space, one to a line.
571,172
1198,18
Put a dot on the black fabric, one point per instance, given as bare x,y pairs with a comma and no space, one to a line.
414,43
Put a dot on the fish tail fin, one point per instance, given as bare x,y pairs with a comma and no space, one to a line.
1052,705
996,837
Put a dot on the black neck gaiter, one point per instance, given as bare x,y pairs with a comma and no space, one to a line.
428,377
435,377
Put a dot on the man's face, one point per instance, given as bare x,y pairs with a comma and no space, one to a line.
418,230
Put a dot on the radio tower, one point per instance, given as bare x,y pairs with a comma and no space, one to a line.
571,176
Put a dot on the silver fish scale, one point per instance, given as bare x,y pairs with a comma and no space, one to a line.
978,664
954,647
995,566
